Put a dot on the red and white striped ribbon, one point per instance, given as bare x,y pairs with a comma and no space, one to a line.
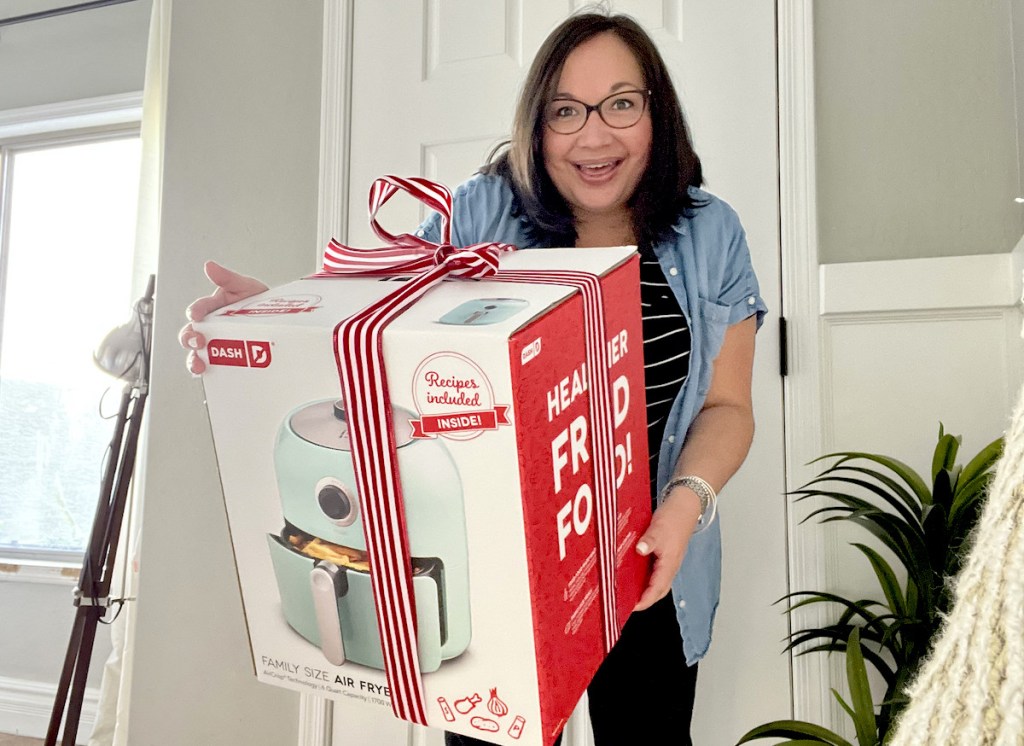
404,253
359,356
601,425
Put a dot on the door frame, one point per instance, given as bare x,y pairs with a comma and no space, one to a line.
811,675
316,714
802,387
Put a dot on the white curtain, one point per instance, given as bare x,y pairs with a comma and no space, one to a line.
111,725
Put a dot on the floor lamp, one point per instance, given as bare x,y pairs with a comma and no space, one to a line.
124,353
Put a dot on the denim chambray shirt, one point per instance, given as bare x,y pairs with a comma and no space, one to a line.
707,265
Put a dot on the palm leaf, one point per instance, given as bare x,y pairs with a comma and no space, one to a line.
880,664
845,510
942,490
907,497
900,469
860,693
967,495
908,546
814,597
910,515
886,579
794,729
845,705
945,452
983,461
936,539
910,555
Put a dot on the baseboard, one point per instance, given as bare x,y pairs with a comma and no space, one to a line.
25,708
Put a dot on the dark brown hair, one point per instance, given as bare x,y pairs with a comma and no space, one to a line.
673,166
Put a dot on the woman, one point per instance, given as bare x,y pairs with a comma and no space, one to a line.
600,156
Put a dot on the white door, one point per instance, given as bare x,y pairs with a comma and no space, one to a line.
433,90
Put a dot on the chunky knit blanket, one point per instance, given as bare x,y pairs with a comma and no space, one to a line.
970,690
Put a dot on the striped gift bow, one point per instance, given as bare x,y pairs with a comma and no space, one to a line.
358,343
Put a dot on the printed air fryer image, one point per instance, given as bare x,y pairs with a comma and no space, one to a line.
483,311
320,556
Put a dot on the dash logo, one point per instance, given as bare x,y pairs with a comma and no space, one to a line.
239,352
530,351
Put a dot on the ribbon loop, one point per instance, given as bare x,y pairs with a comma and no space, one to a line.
435,196
406,253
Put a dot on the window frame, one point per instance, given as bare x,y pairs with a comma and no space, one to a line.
32,128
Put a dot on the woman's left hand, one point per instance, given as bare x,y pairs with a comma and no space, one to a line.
666,539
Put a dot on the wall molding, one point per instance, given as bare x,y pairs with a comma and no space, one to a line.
935,283
316,715
811,674
117,110
335,104
25,708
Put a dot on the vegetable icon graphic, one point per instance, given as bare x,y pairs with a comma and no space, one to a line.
495,706
484,724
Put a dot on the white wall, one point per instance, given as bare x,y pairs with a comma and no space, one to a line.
75,56
917,133
240,185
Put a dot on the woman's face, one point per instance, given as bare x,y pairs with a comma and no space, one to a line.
597,169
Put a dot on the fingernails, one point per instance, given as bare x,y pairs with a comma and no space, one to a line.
642,548
193,343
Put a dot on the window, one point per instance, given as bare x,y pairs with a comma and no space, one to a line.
66,270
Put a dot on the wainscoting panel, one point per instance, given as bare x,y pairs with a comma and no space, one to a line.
906,345
25,708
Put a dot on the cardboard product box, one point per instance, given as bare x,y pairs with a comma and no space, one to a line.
489,397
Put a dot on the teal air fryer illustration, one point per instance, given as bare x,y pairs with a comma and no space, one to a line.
320,557
481,311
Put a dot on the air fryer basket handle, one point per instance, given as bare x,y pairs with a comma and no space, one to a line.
328,583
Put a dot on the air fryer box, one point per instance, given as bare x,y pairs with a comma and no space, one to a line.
489,394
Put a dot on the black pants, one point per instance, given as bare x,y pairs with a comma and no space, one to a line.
629,704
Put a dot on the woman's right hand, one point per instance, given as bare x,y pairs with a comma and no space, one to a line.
231,287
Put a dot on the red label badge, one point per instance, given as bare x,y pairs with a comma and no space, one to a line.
454,399
241,353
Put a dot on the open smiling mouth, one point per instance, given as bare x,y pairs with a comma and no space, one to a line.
596,170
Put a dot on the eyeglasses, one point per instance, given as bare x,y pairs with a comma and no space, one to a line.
620,110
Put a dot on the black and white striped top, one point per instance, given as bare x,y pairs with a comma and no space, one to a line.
666,354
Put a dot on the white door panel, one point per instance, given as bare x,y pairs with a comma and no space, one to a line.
433,91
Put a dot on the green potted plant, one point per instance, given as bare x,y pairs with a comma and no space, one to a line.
927,528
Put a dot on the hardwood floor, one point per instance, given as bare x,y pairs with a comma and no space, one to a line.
9,740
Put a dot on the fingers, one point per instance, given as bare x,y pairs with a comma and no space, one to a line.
657,587
235,286
668,556
231,287
202,307
196,365
192,341
665,540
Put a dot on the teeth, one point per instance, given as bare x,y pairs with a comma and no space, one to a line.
596,165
